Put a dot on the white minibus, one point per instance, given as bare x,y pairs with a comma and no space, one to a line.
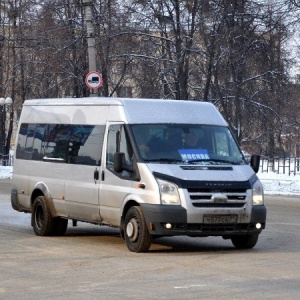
152,168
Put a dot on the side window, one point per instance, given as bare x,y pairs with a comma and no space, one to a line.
111,145
21,143
56,141
125,147
38,141
76,144
85,144
118,142
29,139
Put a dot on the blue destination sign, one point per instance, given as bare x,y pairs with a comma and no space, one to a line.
193,154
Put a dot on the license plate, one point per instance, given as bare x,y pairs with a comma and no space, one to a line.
220,219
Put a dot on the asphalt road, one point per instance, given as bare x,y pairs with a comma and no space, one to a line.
92,262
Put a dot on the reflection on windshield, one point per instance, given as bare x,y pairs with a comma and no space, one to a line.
203,144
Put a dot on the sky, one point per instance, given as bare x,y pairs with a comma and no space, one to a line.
273,183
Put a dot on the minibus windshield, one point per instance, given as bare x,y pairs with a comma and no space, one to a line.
190,143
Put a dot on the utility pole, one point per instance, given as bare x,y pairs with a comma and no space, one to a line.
90,41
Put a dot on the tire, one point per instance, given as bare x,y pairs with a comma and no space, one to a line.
122,233
59,226
245,241
136,232
42,220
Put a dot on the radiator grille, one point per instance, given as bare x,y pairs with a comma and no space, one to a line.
201,197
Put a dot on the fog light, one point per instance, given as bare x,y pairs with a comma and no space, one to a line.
168,226
258,226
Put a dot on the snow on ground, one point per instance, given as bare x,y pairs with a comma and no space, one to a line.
274,184
280,184
5,172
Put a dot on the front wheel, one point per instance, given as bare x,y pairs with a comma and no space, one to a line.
136,232
245,241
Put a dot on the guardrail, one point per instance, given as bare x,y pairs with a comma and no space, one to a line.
6,160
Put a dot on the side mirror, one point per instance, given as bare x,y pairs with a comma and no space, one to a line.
119,163
119,160
254,162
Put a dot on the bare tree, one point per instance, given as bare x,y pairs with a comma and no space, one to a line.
170,26
242,43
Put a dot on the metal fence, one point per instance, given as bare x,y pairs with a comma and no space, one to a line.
280,165
6,160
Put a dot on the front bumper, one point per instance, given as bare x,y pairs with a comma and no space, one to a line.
165,220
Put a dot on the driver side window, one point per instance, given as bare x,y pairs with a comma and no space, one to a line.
118,142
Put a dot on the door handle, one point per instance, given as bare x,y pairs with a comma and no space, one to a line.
96,175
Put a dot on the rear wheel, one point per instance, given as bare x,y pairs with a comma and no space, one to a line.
136,232
245,241
59,226
42,220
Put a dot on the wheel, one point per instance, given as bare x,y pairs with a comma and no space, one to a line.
245,241
42,221
122,233
136,232
59,226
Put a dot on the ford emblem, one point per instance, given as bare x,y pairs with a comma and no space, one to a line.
219,198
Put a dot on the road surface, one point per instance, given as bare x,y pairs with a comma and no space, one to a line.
92,262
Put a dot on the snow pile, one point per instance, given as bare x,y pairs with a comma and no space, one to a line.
274,184
5,172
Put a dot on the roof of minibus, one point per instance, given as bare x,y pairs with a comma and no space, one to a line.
146,110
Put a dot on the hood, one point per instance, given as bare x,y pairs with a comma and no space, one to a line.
204,173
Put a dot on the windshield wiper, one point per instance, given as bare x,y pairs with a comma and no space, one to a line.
218,161
166,160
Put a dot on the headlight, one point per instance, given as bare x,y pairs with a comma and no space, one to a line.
168,192
257,193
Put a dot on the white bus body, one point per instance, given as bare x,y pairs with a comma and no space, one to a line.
149,167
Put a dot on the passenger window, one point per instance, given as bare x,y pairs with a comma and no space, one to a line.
57,141
118,141
75,144
38,142
21,143
30,136
85,144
